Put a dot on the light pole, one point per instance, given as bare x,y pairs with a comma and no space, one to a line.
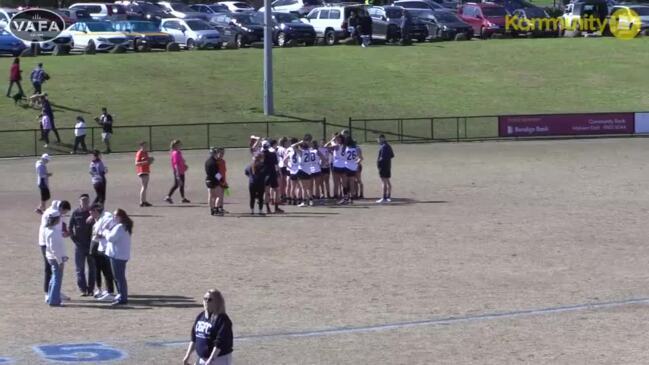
268,59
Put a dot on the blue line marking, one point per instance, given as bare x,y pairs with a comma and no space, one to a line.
427,322
6,360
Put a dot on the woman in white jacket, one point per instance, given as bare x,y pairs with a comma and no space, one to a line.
56,256
118,249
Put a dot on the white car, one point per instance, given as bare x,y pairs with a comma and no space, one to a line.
299,7
100,34
181,10
5,15
192,33
102,11
237,6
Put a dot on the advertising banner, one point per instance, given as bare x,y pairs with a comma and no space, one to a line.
565,124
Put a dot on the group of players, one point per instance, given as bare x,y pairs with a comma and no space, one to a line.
302,172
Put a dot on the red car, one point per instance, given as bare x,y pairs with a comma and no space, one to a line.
486,19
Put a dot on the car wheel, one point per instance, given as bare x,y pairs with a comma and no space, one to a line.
238,41
421,39
91,48
190,44
61,50
482,33
218,45
330,38
281,39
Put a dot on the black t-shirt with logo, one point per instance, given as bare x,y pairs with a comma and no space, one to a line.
207,335
107,123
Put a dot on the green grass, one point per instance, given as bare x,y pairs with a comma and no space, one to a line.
435,79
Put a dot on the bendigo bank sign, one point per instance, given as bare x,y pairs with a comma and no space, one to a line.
36,25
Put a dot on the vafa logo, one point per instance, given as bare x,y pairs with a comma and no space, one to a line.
36,25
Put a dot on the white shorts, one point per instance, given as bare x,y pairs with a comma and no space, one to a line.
106,136
221,360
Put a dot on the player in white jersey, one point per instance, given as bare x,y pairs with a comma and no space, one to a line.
304,174
353,158
292,161
325,170
337,148
283,171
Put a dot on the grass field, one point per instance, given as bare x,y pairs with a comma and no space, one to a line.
438,79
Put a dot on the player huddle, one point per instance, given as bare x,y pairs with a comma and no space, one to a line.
301,172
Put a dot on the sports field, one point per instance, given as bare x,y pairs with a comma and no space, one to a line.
493,253
495,77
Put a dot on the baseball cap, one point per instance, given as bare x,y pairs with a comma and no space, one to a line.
45,157
265,144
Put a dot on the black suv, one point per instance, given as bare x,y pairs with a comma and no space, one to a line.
287,27
242,28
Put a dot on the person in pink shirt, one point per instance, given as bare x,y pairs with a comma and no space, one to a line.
179,167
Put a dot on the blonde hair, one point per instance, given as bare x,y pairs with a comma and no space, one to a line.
217,305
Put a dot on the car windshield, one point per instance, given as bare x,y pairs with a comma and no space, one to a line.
393,13
248,19
241,5
535,13
446,16
641,10
219,8
287,18
421,13
143,27
100,27
198,25
181,7
493,11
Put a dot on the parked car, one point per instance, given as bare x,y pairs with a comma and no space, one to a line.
102,11
444,25
419,4
181,10
10,44
386,22
64,41
192,33
250,25
330,22
99,34
210,10
287,27
143,34
299,7
75,15
641,10
237,6
573,12
486,19
528,15
449,4
143,10
5,15
512,5
231,33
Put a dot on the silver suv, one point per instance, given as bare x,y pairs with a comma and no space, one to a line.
330,22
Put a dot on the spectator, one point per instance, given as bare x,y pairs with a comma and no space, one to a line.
103,221
43,181
15,76
79,135
105,120
256,182
406,26
46,127
81,233
38,77
365,24
353,26
56,257
46,108
143,168
179,168
60,207
118,249
384,163
98,173
211,333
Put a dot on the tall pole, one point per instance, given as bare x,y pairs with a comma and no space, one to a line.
268,59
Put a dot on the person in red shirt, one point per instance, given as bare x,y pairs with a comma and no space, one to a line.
15,77
143,168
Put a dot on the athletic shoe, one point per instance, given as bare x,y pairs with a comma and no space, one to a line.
168,200
117,302
388,199
147,204
310,203
278,210
44,146
342,202
118,297
106,298
185,200
302,205
57,305
46,298
252,212
381,200
84,294
65,297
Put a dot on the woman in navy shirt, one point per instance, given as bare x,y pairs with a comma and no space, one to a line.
212,333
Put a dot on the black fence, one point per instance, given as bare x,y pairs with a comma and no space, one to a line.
27,142
424,129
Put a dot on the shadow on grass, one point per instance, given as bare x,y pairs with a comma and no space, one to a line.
58,107
142,302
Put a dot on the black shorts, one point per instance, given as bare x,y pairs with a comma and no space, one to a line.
340,170
302,175
385,172
211,184
325,171
350,173
293,177
45,193
315,174
272,181
284,171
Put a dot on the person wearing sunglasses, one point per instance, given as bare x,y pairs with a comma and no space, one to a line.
212,333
